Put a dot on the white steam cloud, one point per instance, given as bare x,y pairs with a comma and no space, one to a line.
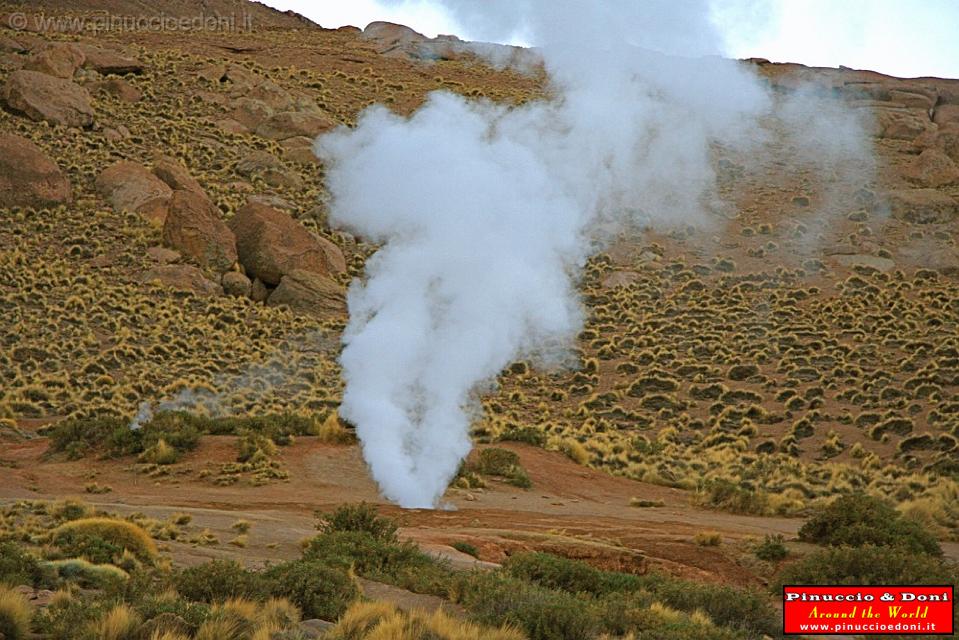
485,213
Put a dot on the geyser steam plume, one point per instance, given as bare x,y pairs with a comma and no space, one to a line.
485,213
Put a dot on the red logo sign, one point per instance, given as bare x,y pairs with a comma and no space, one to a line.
855,610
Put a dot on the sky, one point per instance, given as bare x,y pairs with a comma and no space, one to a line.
906,38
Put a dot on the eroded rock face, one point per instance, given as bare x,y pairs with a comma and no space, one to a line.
310,293
194,228
271,244
129,186
39,96
922,206
28,178
933,168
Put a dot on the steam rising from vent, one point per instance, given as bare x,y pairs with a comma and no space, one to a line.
486,213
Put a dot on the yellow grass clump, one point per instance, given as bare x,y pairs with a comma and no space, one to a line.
15,615
119,623
119,532
383,621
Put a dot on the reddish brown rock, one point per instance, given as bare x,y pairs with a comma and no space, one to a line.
310,293
194,228
60,60
236,284
291,124
251,113
933,168
899,123
183,277
176,175
43,97
119,89
129,186
28,178
922,206
271,244
946,114
106,61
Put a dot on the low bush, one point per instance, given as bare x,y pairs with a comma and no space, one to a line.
556,572
497,598
18,566
219,580
318,590
89,575
772,548
494,461
856,520
398,563
868,565
363,518
103,539
528,435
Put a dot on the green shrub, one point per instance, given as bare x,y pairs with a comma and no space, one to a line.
219,580
318,590
496,598
856,520
88,574
61,620
18,566
154,605
744,609
529,435
466,547
503,463
772,548
868,565
556,572
361,518
398,563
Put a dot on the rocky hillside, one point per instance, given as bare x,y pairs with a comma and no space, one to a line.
164,237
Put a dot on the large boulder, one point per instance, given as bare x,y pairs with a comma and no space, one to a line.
60,60
129,186
43,97
308,292
271,245
291,124
28,178
119,89
194,228
107,61
932,168
182,277
922,206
